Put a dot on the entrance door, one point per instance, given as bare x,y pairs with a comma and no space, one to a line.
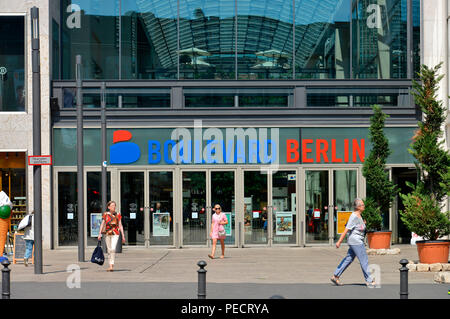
316,204
195,212
255,208
132,206
222,192
161,208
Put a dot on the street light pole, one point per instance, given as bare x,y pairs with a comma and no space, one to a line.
103,119
37,171
80,161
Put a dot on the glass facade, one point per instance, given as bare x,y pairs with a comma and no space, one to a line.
12,64
238,39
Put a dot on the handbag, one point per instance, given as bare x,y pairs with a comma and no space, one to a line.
97,255
222,233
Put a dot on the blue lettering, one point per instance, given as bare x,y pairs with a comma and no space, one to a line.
154,149
166,151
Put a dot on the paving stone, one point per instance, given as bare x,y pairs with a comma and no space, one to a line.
412,267
423,267
445,267
442,277
436,267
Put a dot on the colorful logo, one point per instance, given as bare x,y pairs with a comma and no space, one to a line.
123,152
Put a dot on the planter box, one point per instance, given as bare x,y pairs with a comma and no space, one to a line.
379,239
433,251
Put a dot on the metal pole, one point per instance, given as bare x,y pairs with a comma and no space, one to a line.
37,171
6,279
201,280
104,161
404,279
80,164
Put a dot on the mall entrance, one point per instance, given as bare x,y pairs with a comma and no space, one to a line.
172,206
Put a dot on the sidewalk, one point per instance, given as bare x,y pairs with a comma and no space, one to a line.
244,273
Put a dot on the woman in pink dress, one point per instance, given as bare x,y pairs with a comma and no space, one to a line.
217,230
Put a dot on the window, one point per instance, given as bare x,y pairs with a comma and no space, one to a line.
12,64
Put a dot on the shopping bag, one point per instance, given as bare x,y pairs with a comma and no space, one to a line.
97,255
24,223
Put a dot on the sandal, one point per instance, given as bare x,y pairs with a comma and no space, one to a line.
371,284
336,281
211,256
222,257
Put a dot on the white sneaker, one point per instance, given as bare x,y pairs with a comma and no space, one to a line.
25,262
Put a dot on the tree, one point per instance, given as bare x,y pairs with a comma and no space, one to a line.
380,190
422,214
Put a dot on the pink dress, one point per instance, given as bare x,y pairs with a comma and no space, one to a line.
216,226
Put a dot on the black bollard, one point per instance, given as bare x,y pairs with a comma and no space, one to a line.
404,279
6,280
201,280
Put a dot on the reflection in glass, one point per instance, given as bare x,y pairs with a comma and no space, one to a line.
379,39
12,61
194,208
207,35
284,201
322,39
264,39
94,204
344,194
161,208
67,209
132,207
255,207
316,199
222,193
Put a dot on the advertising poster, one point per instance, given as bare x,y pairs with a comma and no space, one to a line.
342,218
96,221
227,227
283,223
161,224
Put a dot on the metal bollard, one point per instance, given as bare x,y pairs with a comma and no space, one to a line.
201,294
6,287
404,279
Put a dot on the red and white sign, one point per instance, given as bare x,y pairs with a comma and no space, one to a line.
40,160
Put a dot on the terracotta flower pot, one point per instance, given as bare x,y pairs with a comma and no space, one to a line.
4,227
379,239
433,251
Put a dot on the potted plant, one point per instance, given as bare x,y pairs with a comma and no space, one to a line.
380,190
423,206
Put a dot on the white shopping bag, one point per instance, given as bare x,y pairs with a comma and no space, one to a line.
4,200
24,222
414,238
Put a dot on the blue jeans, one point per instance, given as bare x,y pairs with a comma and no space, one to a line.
29,248
355,251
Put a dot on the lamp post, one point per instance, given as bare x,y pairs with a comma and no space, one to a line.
37,173
103,119
80,161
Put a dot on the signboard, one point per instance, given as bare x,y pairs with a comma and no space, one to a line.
256,213
96,221
40,160
342,218
161,224
316,214
283,223
227,227
19,248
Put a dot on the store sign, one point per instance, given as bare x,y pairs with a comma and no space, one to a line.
261,146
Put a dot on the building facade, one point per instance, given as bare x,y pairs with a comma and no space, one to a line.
260,106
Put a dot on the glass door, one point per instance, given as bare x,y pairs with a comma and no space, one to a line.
284,207
161,208
255,207
316,205
223,194
132,207
345,192
194,208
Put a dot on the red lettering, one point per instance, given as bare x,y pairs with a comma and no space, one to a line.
290,150
306,150
346,151
321,151
334,159
357,149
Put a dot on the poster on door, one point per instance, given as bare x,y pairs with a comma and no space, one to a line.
161,224
283,223
228,228
96,221
342,219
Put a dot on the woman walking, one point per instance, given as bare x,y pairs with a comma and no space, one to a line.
356,228
218,231
111,226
